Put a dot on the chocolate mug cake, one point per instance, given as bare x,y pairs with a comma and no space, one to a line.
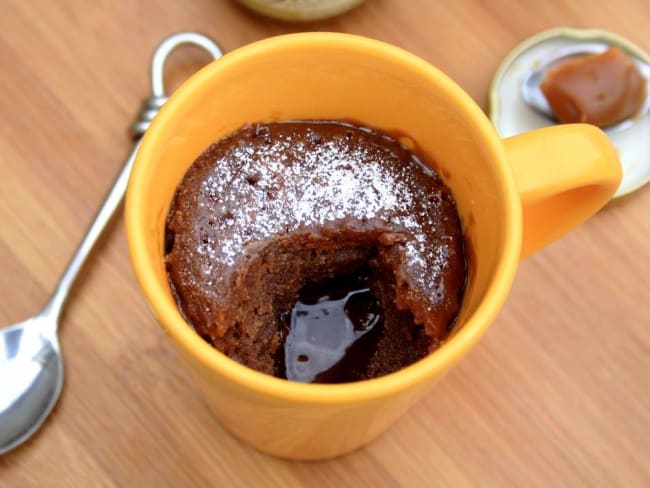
316,251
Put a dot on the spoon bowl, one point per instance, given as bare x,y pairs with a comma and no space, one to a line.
534,98
31,368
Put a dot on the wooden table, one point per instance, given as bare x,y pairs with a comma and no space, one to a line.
558,392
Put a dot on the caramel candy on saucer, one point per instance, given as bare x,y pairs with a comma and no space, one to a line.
599,89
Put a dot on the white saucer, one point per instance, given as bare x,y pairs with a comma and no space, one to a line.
510,114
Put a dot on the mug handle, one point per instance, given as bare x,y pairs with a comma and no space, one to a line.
564,174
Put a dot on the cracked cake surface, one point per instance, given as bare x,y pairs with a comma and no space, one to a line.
275,207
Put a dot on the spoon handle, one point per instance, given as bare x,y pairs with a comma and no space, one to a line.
150,108
107,210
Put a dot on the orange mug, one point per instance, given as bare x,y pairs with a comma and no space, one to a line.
514,196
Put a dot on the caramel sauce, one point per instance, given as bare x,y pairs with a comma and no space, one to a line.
333,330
600,89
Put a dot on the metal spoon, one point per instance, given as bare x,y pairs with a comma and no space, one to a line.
533,96
31,366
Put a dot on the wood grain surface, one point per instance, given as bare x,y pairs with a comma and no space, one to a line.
557,393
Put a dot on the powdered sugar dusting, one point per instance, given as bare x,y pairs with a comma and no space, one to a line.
267,184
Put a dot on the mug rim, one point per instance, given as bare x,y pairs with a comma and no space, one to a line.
432,365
